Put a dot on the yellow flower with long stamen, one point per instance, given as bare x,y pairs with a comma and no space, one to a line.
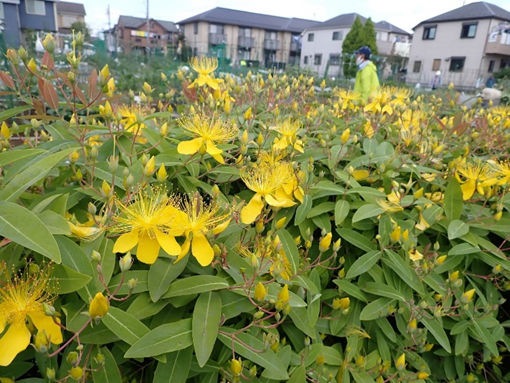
22,298
208,131
289,131
503,171
204,66
197,219
148,223
474,177
85,231
265,180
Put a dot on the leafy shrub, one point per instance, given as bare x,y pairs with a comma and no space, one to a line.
261,234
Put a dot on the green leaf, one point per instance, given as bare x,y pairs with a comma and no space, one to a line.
461,343
367,211
486,336
166,338
162,273
351,289
206,321
11,112
404,271
12,156
303,209
124,325
298,376
68,279
22,226
463,249
31,175
376,309
356,239
322,208
75,258
55,223
362,377
363,264
457,229
436,329
341,211
383,290
195,285
108,372
453,200
328,187
290,248
143,306
176,369
245,344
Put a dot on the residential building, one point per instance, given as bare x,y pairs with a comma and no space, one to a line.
270,41
131,34
23,20
466,44
322,43
67,14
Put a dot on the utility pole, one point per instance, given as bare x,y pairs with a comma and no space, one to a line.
148,34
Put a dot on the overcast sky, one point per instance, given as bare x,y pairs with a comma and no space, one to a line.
402,13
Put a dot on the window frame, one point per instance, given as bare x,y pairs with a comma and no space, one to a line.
466,28
311,37
218,28
319,57
419,62
435,67
339,35
457,58
492,65
426,32
35,2
305,60
195,27
335,56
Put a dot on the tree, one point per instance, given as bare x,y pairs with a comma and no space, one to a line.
80,26
367,36
359,36
352,40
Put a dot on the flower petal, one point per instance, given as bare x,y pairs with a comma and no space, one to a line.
220,228
468,189
202,79
250,212
3,319
201,249
15,340
212,82
126,242
214,152
184,250
148,249
44,322
168,243
190,147
278,203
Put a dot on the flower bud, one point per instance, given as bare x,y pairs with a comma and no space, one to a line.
401,362
467,296
96,256
162,174
72,358
132,283
236,367
42,343
113,164
283,295
325,242
422,375
99,306
260,292
49,44
49,310
125,262
76,372
50,373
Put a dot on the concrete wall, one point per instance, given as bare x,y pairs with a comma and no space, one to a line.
447,44
12,34
38,22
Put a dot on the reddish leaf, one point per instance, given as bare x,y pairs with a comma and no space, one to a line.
50,95
7,80
39,108
92,85
40,84
79,94
47,60
6,93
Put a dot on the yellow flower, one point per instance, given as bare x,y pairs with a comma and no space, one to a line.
325,242
415,255
389,207
467,296
20,299
6,133
283,295
85,231
265,180
208,131
99,306
197,219
422,375
395,234
281,265
341,303
289,131
148,223
474,177
204,66
132,120
502,169
401,362
260,292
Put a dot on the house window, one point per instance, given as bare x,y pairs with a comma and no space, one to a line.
334,59
457,64
468,31
245,32
2,11
138,40
417,67
215,28
310,36
270,35
436,65
317,59
339,35
492,64
35,7
377,36
305,61
429,33
195,27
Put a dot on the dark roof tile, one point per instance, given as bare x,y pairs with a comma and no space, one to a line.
135,22
67,7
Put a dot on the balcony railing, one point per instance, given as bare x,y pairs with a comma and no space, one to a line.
272,45
294,46
497,48
217,38
245,42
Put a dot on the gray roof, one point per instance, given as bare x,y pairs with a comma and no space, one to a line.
253,20
135,22
473,11
385,26
347,19
74,8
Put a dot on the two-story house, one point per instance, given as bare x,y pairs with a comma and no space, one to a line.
322,44
22,20
68,14
466,45
245,36
131,34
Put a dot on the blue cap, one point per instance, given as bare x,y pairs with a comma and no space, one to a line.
365,51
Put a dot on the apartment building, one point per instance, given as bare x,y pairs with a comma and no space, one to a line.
67,14
466,44
131,34
245,36
322,43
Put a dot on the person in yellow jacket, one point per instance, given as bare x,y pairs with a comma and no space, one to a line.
366,79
